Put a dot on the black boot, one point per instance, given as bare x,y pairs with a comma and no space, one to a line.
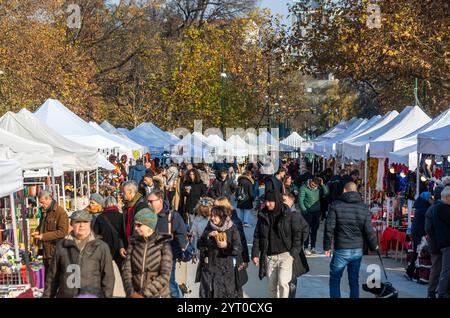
431,295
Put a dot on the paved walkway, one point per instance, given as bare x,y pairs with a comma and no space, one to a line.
311,285
315,283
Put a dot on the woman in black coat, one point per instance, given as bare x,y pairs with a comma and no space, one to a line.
223,201
109,226
220,253
245,205
192,190
421,205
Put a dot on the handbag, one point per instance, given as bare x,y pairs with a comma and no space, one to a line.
386,289
304,261
188,252
241,276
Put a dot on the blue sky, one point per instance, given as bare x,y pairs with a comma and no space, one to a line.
277,6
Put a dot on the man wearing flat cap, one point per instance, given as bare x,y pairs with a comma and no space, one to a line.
82,262
277,244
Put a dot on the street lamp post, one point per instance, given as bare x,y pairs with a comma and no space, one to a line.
223,76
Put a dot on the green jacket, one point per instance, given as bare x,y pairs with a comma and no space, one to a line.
309,199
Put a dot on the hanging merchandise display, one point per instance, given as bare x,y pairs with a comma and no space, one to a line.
380,174
373,168
20,275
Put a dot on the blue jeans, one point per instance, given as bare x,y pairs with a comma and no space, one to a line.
243,215
173,285
342,258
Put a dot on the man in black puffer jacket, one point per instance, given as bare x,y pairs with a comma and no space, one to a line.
223,186
277,243
349,222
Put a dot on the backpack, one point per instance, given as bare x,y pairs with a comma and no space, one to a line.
188,251
241,195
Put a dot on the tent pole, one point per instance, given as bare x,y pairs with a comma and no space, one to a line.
14,226
96,180
52,173
63,191
81,183
419,155
300,157
410,204
314,159
365,179
75,189
88,184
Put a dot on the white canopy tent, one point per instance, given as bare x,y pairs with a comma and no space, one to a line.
409,120
293,140
405,149
331,132
31,155
327,147
160,137
11,176
64,121
105,125
356,148
238,147
11,181
70,155
192,146
145,135
366,127
130,145
434,142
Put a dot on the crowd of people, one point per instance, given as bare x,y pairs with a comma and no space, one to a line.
166,214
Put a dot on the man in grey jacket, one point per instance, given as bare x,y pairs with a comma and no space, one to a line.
82,263
349,223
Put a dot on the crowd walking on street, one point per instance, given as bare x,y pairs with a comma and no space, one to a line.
167,218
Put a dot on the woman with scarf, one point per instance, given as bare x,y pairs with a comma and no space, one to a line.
220,252
109,225
95,207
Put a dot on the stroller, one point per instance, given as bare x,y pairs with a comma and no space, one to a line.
386,290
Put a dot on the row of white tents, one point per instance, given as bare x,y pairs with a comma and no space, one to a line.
398,137
53,139
394,136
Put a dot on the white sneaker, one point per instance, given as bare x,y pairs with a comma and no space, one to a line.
308,253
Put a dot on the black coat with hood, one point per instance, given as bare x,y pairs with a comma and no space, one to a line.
247,184
109,226
238,223
418,227
190,200
293,231
349,222
222,188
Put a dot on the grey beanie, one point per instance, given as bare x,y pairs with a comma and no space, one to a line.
97,198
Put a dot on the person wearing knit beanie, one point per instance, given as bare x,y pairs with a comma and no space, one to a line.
96,202
146,217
